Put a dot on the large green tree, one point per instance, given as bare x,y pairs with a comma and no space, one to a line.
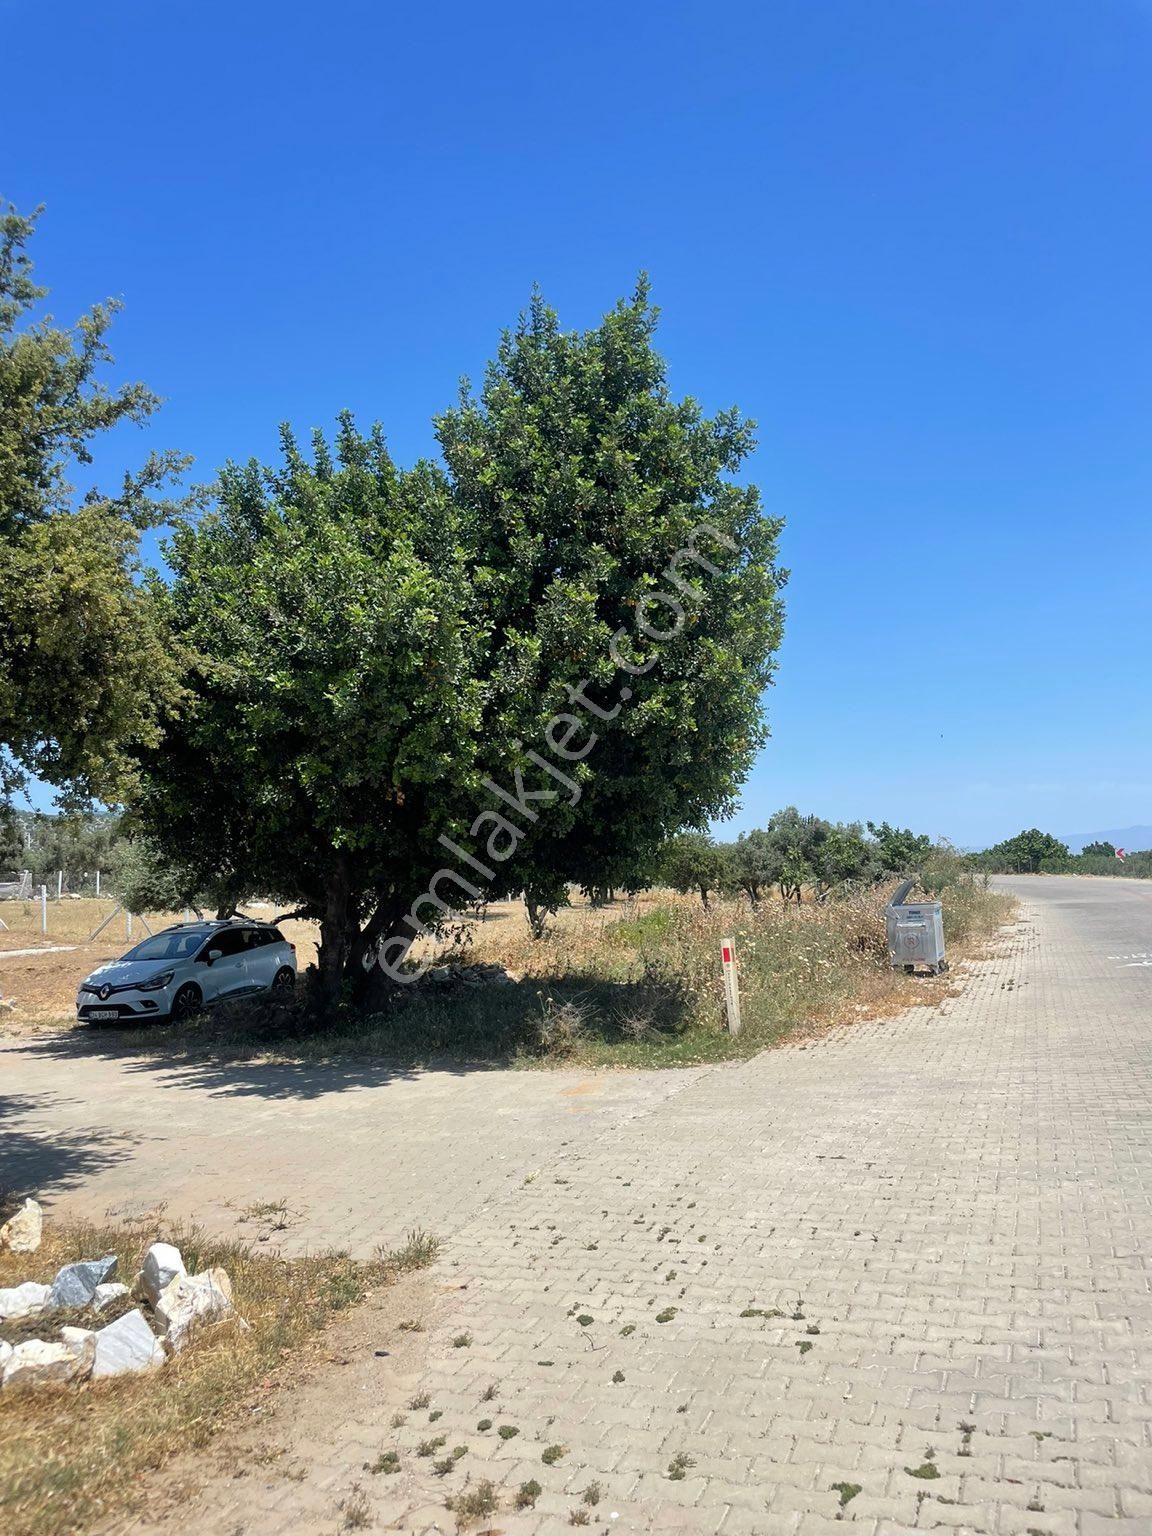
756,862
1098,850
1027,852
899,850
86,670
532,663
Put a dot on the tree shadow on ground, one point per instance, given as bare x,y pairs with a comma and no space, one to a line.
277,1051
41,1162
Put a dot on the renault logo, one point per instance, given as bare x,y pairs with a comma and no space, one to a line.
105,992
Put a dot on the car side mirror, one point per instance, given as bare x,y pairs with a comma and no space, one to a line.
215,954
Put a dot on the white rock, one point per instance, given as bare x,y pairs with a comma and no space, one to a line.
162,1265
23,1231
5,1356
82,1343
126,1346
106,1293
24,1300
190,1300
37,1364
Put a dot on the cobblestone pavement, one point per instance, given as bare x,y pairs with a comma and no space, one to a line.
359,1152
896,1280
893,1281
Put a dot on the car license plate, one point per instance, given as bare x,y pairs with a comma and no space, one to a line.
104,1013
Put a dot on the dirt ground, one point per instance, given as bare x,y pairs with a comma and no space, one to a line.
300,1417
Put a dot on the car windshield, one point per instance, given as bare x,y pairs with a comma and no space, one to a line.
167,946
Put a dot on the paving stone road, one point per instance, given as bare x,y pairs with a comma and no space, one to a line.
896,1280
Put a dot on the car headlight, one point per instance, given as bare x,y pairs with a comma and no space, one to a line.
155,983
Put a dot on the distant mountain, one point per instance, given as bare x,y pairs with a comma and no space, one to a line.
1131,839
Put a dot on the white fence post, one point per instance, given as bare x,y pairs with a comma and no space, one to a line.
59,885
97,884
731,985
43,909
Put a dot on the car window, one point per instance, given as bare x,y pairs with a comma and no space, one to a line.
229,941
166,946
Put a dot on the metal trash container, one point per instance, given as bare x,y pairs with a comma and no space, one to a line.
915,933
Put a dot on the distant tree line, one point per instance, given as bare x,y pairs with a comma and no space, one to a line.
47,846
71,848
794,854
1033,852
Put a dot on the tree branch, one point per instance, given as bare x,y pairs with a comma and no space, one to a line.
288,917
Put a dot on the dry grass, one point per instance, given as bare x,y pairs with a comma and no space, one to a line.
635,984
43,985
73,1455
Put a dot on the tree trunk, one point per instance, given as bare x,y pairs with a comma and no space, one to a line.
371,986
339,929
537,916
704,896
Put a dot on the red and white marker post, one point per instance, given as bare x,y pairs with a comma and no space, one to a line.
731,985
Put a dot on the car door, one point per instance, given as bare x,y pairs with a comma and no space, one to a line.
228,974
261,958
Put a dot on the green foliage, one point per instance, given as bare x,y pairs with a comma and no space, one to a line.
900,851
755,862
792,852
845,858
86,669
373,644
796,850
691,861
145,879
13,852
76,846
1027,853
542,900
1134,866
1035,852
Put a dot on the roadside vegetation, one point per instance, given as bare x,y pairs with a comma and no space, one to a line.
373,693
634,984
72,1455
1033,852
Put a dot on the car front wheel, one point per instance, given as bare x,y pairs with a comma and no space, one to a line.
284,980
186,1003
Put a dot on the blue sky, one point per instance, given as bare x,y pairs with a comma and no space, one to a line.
912,239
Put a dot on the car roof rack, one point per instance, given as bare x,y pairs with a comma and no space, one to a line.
219,922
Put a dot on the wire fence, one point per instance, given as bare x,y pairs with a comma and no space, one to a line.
58,883
58,888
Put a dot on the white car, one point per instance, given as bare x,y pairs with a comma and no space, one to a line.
177,972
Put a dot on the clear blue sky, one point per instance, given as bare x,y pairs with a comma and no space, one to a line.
912,238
